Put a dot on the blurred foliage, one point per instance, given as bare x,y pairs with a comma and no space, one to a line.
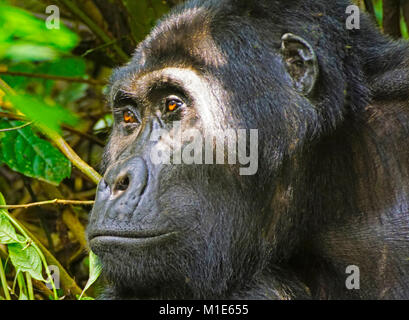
26,38
53,80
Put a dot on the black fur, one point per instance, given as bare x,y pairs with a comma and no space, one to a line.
332,188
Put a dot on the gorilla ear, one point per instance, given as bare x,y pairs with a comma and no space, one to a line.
301,62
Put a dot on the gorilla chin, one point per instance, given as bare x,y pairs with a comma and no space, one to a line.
331,189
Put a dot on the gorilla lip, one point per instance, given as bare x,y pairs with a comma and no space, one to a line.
126,237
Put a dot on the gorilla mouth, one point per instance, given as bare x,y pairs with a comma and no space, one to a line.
103,239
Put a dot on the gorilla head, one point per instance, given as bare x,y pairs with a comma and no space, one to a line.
175,229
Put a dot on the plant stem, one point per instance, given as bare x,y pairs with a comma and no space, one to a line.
16,128
66,281
42,203
21,284
29,286
4,281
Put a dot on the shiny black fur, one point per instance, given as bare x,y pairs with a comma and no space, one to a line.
332,188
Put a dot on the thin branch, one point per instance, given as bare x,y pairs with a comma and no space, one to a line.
16,128
53,77
103,46
42,203
85,135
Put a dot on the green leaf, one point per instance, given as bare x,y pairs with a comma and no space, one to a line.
26,153
7,232
95,269
40,112
27,260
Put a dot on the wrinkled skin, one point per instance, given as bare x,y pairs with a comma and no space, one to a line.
331,190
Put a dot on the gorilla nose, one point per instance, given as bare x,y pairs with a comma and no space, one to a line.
127,178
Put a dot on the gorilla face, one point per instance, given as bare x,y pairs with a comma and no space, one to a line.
176,229
158,225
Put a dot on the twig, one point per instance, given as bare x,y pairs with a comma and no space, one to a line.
53,77
85,135
42,203
16,128
105,45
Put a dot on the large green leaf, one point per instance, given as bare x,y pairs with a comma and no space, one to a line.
26,153
26,259
7,232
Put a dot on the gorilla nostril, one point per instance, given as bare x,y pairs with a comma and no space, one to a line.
121,185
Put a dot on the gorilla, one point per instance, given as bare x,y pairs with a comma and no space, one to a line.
325,215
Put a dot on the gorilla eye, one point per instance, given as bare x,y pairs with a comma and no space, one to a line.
129,117
173,104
